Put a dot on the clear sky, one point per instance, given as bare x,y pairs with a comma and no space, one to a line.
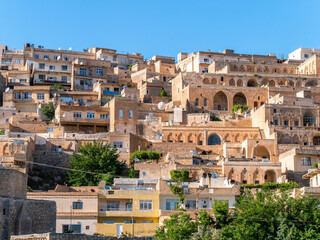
163,27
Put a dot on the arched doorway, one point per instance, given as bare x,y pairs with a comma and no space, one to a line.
220,102
214,139
270,176
239,83
239,99
252,83
272,83
260,152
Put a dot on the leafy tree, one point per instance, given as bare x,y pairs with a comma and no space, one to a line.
132,173
96,157
205,219
163,93
206,233
177,178
179,226
221,213
48,111
57,87
272,214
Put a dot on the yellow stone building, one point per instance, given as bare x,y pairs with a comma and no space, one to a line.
130,207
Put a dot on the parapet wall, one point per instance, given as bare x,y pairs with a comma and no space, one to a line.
13,184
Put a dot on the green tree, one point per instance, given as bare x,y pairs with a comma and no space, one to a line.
179,226
272,214
221,213
132,173
205,219
48,111
97,157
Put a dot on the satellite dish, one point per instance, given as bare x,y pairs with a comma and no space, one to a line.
7,90
161,105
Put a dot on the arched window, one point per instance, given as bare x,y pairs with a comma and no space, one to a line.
252,83
205,102
316,140
309,119
120,113
214,139
130,114
196,102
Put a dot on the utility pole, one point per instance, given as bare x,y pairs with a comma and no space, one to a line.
132,225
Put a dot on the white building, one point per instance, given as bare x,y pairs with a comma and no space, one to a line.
303,53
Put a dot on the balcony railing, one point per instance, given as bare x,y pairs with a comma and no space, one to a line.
116,209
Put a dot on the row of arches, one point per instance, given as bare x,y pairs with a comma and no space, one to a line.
220,101
212,139
257,83
296,139
255,176
262,69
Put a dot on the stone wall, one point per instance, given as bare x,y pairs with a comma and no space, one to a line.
62,236
12,183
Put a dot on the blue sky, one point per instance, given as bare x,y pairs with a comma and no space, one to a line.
163,27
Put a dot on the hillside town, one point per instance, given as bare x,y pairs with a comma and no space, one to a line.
183,132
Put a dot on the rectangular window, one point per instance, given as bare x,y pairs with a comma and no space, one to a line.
276,122
55,57
50,129
147,221
129,221
40,96
145,204
296,123
103,116
23,80
83,71
26,95
77,115
117,144
90,115
130,61
155,92
42,66
306,55
206,60
64,68
286,122
274,110
64,78
108,221
6,61
123,59
77,205
113,205
36,56
18,95
42,77
191,204
46,57
17,60
99,71
53,78
74,228
306,161
172,204
205,70
51,68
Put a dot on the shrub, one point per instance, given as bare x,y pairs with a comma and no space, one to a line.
48,111
145,155
235,108
163,93
57,86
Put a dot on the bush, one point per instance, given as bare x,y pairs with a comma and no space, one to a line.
179,175
235,108
145,155
163,93
315,165
214,118
2,132
57,87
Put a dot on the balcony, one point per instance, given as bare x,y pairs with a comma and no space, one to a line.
143,229
88,121
41,81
